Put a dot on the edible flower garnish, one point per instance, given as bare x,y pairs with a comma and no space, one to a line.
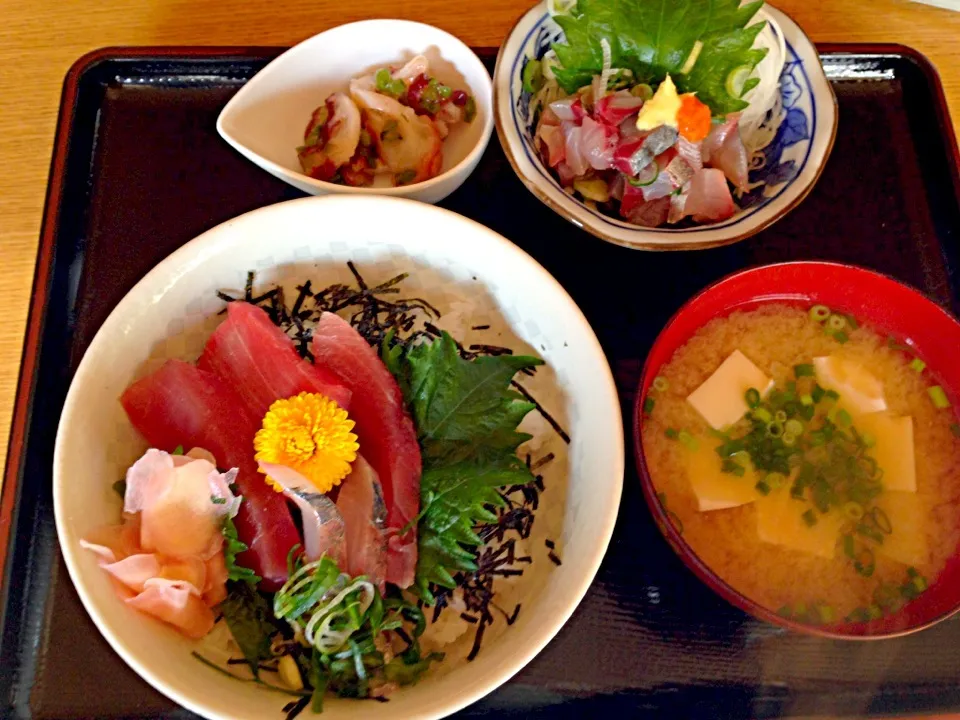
311,434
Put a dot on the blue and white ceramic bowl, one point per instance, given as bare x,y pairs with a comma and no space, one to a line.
787,168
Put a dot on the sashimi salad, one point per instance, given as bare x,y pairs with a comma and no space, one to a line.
316,481
391,122
639,113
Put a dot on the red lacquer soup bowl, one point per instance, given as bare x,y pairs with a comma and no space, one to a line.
890,308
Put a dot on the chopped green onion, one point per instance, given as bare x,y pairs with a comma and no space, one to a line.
844,418
671,433
648,404
841,337
832,395
753,398
762,488
789,439
444,91
806,399
470,109
819,313
817,393
780,416
858,615
917,365
868,440
804,370
774,429
874,612
784,612
852,321
886,596
881,520
870,532
688,440
762,414
809,518
794,426
853,510
849,547
939,397
920,583
775,480
532,76
382,79
865,563
955,429
801,609
733,468
660,384
836,323
912,572
826,613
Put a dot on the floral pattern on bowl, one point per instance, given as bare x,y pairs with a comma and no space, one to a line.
781,174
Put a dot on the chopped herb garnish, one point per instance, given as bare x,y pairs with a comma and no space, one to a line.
648,405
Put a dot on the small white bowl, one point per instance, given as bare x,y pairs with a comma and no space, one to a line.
790,165
173,310
265,120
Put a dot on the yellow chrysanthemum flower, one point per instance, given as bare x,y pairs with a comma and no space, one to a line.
311,434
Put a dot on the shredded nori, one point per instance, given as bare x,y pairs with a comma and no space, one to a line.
375,312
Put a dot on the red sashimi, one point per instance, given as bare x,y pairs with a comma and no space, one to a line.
182,405
385,432
360,502
258,360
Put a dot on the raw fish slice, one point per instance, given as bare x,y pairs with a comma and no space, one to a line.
259,362
573,148
552,141
723,149
364,513
182,405
709,197
691,152
598,143
385,433
617,107
323,530
640,211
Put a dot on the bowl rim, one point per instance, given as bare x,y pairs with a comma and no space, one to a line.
283,172
576,217
660,516
221,235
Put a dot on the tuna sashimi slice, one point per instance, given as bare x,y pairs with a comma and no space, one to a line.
385,433
182,405
360,501
258,360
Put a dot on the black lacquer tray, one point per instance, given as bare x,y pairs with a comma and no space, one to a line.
138,170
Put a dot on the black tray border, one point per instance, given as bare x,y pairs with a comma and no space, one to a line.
58,205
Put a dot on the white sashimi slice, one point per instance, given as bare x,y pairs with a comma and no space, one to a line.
323,529
709,197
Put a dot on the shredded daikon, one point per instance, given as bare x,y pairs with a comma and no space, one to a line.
600,88
756,128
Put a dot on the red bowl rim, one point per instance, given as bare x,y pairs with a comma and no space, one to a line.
675,539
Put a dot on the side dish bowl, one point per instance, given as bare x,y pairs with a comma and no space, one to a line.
171,312
891,308
785,171
265,120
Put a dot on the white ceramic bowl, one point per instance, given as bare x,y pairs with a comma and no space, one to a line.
265,120
789,166
172,311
